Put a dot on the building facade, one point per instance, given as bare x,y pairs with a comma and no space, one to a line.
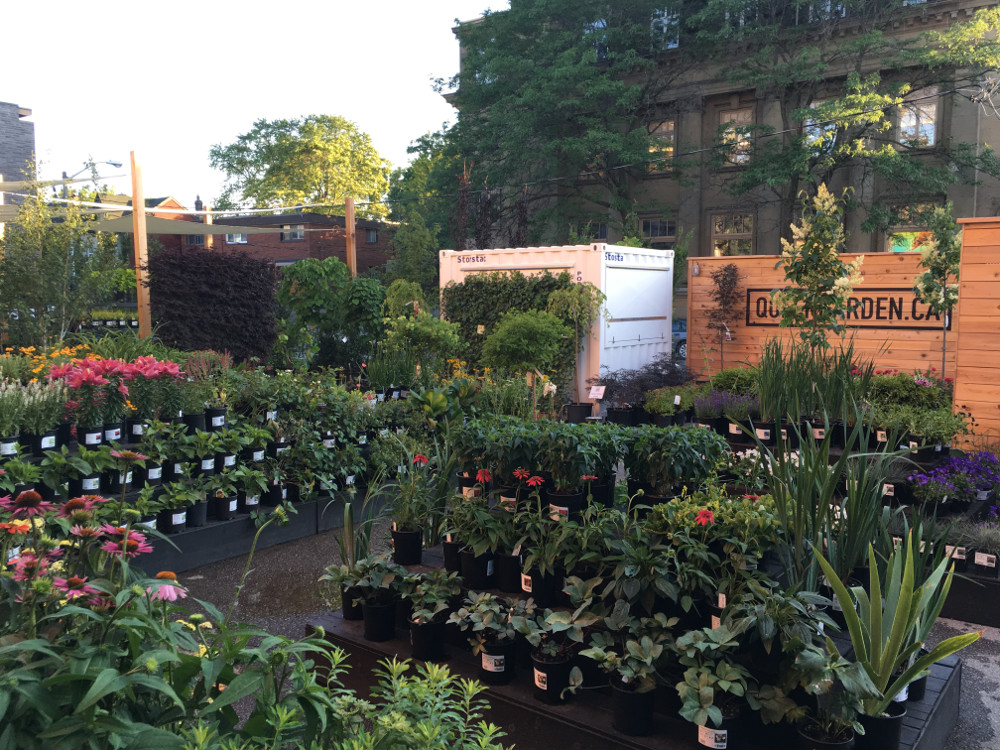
17,143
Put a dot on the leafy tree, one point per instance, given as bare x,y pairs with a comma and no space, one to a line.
415,254
427,185
940,255
53,269
725,293
403,299
555,88
812,62
316,159
431,340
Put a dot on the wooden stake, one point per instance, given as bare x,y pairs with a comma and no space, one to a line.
352,253
140,253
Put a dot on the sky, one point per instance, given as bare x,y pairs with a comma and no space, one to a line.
170,80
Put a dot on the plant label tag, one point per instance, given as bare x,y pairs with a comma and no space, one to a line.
541,680
380,397
959,553
718,739
229,461
137,428
721,602
888,490
91,483
258,455
127,479
716,622
764,434
508,503
526,583
982,495
178,470
150,524
253,500
92,438
350,479
284,493
735,429
178,518
282,449
232,505
677,400
987,561
784,434
328,443
154,472
447,538
558,512
902,695
468,491
48,441
596,392
819,433
272,416
207,464
897,542
913,446
937,448
395,395
9,449
363,440
480,329
219,421
495,664
702,424
113,434
489,567
517,553
881,436
14,552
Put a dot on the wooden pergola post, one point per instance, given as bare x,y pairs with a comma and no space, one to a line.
140,252
352,251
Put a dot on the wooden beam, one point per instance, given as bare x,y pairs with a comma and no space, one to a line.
352,252
140,252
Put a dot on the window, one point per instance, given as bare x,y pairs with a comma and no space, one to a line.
371,236
661,233
196,239
661,149
735,123
732,234
292,232
911,232
236,239
917,118
664,28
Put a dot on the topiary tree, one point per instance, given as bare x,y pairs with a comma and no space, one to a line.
579,305
527,342
937,286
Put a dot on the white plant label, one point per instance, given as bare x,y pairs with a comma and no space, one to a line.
207,464
328,443
508,503
395,395
381,397
177,470
115,434
125,478
155,472
258,455
714,738
468,491
677,400
541,680
706,426
272,415
721,602
596,392
150,524
902,695
92,438
987,561
716,622
763,434
734,429
363,440
219,421
284,493
447,538
495,664
819,433
8,449
350,479
49,441
178,518
881,436
525,583
489,567
558,512
253,500
137,428
955,553
282,449
982,495
232,505
913,446
91,483
14,552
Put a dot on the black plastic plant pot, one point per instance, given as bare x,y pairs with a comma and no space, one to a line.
274,495
617,415
225,507
663,420
477,570
90,437
380,621
507,573
205,467
551,678
602,493
150,475
197,514
730,735
64,434
171,520
577,413
113,480
215,418
882,732
631,712
113,432
247,503
195,422
497,663
541,588
41,443
407,547
806,742
569,506
350,605
88,485
427,640
134,429
450,552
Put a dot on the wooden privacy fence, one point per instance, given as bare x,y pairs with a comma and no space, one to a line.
977,381
885,320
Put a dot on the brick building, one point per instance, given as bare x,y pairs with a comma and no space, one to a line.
305,235
167,241
17,143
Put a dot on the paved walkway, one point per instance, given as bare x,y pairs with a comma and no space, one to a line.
282,595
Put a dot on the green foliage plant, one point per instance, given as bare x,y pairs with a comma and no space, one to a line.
429,593
430,340
559,634
632,649
712,681
937,286
43,405
580,305
490,619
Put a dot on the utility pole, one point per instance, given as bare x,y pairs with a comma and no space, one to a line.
140,253
352,253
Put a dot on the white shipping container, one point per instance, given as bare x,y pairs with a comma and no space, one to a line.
638,284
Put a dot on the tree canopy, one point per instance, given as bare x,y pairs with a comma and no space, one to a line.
316,159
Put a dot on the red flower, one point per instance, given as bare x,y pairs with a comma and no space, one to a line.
483,476
420,459
588,478
521,473
535,481
704,518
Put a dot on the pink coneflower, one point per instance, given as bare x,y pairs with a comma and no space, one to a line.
132,545
130,456
27,566
79,509
27,504
483,476
167,592
704,518
85,532
74,587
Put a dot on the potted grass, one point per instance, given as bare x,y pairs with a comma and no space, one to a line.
354,542
557,636
430,593
488,619
43,407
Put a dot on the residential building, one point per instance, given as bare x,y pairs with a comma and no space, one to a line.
162,208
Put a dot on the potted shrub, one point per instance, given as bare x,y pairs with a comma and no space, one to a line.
98,460
58,467
471,523
557,636
642,573
378,585
663,404
430,594
489,620
221,491
567,454
174,502
19,475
